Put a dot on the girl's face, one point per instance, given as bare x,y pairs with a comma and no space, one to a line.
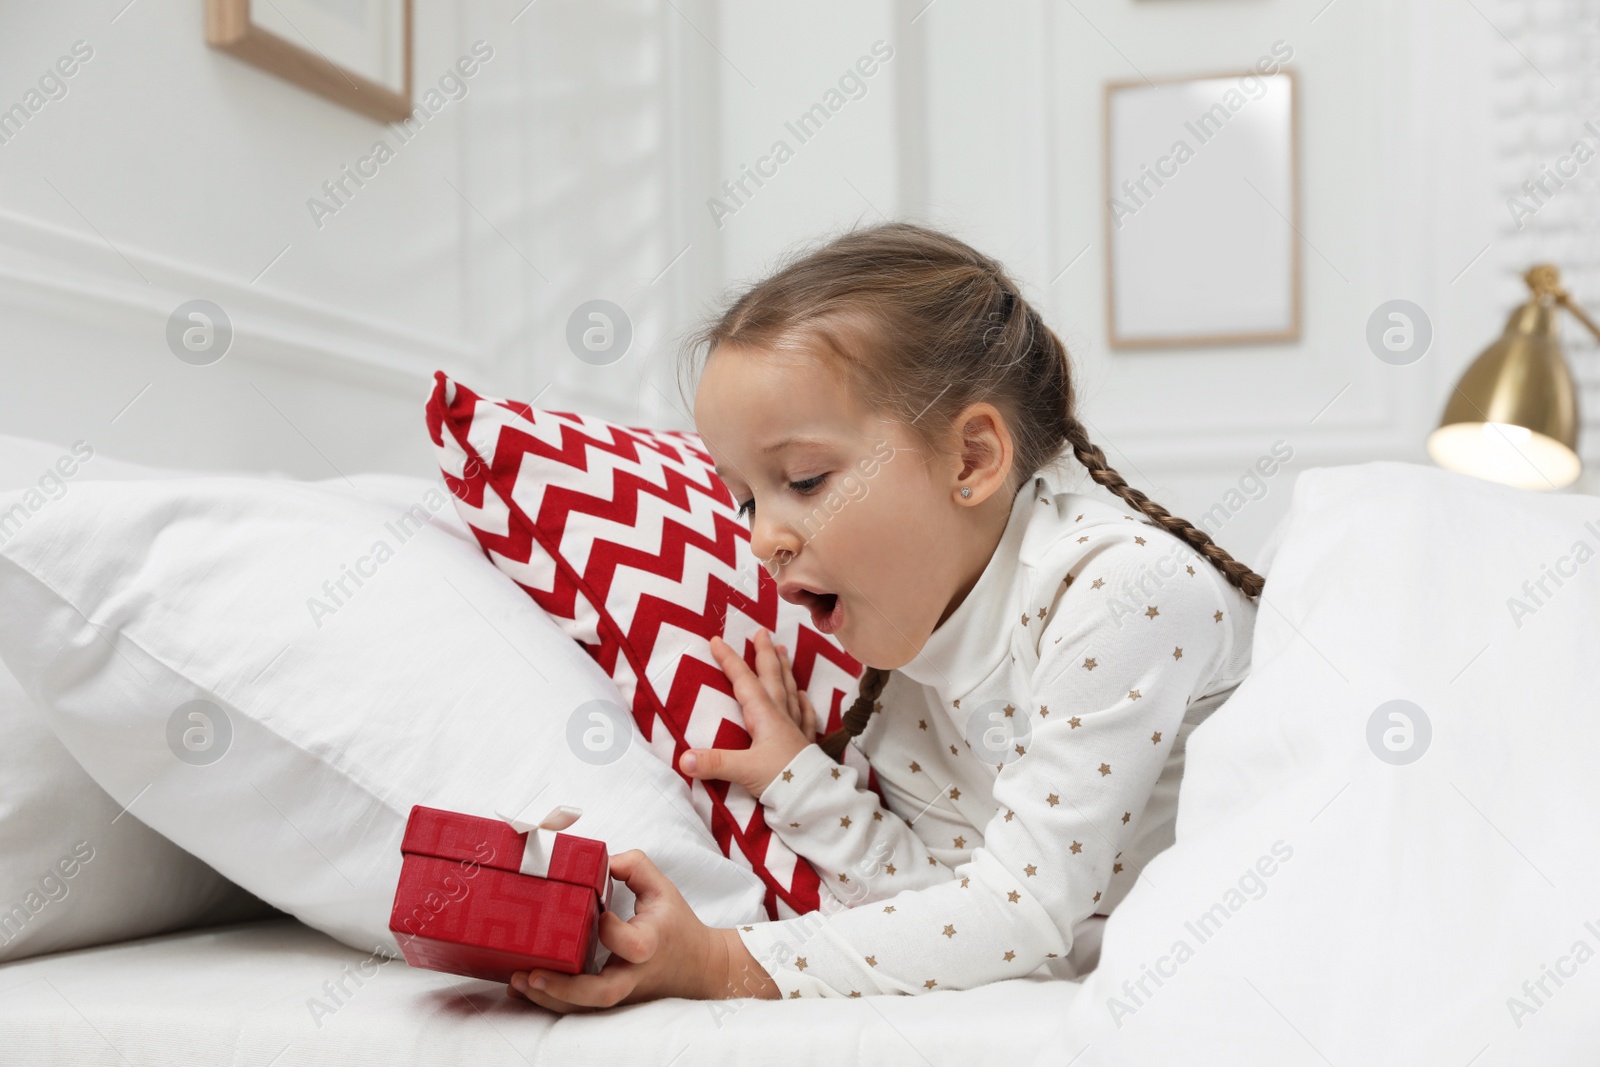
843,502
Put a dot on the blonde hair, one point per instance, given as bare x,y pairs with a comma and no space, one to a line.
923,325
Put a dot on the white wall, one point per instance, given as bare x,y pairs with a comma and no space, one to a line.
581,163
171,171
994,132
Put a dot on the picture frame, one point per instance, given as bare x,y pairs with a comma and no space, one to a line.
1194,255
356,53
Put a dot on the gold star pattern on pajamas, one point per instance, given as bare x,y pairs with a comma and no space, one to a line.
1030,756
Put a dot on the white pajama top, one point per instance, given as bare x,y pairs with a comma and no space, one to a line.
1030,756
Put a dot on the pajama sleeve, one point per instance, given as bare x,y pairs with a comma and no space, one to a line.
862,851
1106,699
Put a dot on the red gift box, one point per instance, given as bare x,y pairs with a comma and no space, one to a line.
482,898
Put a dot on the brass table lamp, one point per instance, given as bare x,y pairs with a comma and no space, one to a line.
1513,416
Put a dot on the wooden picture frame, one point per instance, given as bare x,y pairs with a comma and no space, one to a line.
1267,284
230,28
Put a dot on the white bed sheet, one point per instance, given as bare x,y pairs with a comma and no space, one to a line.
239,995
1417,922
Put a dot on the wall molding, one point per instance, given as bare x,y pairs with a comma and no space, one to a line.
1380,411
59,271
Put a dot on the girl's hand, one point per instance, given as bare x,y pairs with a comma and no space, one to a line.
779,718
663,951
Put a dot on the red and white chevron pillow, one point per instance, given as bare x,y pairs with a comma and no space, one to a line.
628,539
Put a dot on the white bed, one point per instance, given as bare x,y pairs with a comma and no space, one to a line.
241,995
1419,909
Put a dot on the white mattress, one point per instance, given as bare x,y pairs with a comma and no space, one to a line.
240,995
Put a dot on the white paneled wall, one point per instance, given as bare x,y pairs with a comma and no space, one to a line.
994,132
1545,99
624,150
170,171
616,120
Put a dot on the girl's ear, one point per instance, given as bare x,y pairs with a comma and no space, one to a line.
983,450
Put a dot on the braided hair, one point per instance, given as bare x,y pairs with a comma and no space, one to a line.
923,325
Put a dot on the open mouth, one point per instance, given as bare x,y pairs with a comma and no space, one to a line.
827,612
827,609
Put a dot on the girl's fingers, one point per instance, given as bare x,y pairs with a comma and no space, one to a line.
641,875
790,690
519,987
769,669
634,942
547,1002
747,688
732,664
574,992
808,724
723,764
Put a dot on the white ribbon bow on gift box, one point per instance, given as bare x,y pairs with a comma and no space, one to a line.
541,837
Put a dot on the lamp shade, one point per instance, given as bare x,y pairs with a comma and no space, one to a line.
1513,416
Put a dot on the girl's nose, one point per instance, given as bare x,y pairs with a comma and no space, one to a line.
777,559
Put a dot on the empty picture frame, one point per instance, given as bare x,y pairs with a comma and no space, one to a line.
354,52
1202,210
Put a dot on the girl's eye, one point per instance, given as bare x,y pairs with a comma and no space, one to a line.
804,488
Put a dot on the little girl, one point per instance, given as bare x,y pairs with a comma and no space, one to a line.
1035,658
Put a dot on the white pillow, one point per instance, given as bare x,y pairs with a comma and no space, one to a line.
75,870
1349,887
358,655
